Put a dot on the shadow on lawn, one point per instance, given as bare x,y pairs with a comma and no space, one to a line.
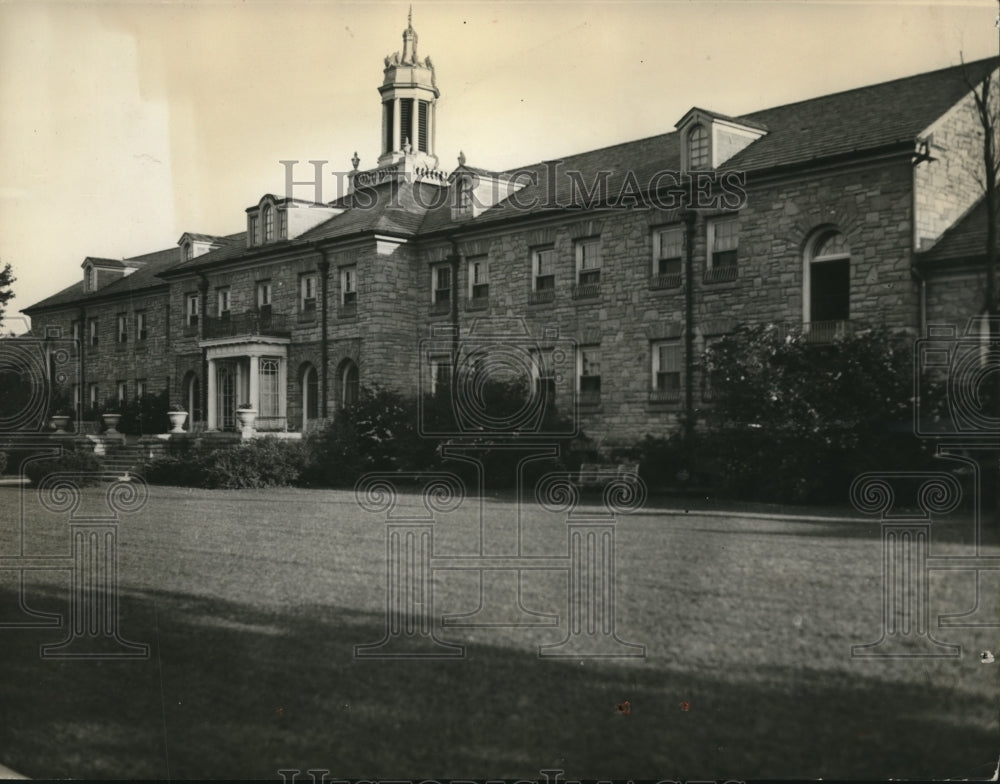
232,691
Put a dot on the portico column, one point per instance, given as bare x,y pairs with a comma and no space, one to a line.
255,382
211,403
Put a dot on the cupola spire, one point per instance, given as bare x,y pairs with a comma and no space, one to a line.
409,97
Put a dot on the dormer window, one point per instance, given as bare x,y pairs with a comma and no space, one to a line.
91,279
699,152
188,254
283,224
268,212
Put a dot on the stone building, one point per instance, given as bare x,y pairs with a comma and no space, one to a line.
604,276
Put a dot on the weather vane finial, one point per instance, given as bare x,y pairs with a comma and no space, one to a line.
409,17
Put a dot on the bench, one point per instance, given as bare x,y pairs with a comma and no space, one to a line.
600,474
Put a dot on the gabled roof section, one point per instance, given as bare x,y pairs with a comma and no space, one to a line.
697,110
965,241
865,118
144,278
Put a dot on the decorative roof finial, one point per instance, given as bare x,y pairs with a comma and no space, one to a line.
409,41
461,158
356,161
409,18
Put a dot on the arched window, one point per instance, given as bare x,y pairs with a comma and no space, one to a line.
268,223
349,384
310,394
827,278
192,398
697,148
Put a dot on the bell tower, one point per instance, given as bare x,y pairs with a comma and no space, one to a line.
409,96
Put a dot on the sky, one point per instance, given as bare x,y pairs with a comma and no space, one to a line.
124,125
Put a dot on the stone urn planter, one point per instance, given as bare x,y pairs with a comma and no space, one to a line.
246,417
177,420
111,422
59,422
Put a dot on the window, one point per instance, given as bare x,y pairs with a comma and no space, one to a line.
264,296
91,279
223,300
93,395
307,292
310,393
122,331
479,278
141,332
588,262
349,285
723,243
589,375
269,380
188,255
268,223
543,274
440,374
141,388
441,283
668,251
349,384
75,331
193,309
122,393
252,228
827,279
93,332
697,148
282,224
666,371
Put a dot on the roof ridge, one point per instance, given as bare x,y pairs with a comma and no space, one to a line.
922,75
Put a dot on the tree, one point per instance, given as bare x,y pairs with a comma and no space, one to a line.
7,280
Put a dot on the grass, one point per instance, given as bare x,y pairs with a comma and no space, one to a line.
253,601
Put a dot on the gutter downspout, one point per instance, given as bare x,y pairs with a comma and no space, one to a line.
689,217
454,259
921,279
324,276
84,337
202,318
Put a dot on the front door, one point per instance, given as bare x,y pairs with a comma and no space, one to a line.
227,397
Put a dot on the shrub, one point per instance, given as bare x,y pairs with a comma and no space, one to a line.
81,462
795,421
263,462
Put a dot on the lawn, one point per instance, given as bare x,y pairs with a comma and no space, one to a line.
252,603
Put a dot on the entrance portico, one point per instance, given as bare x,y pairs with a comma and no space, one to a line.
244,370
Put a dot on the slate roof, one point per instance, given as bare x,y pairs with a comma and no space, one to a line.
805,132
147,267
964,241
847,123
386,208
